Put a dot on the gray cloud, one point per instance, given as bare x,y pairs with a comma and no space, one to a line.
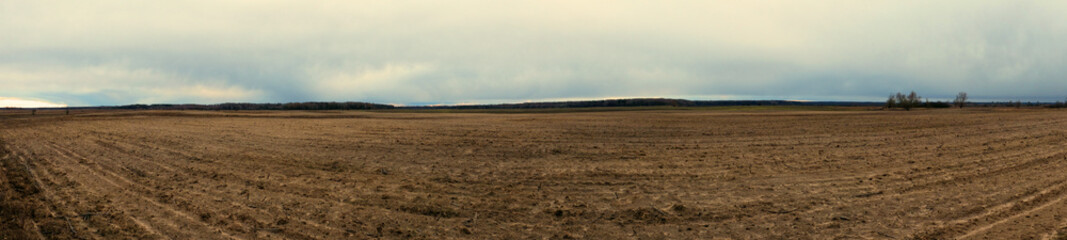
416,52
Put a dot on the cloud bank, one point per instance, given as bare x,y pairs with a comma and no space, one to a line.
416,52
24,103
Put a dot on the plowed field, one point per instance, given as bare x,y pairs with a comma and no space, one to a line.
938,174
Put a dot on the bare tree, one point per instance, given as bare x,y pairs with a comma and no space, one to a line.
961,99
910,101
902,101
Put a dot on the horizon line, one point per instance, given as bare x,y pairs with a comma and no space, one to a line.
396,105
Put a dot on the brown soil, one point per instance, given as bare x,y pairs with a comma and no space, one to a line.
974,174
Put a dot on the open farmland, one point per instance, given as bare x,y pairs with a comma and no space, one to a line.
972,174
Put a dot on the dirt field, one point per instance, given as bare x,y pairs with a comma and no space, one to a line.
941,174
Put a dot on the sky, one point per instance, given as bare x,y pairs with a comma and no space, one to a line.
112,52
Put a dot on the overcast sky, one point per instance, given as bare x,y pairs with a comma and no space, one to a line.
116,52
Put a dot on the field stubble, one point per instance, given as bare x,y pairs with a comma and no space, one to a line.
635,174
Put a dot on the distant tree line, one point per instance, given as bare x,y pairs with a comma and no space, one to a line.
260,106
1020,104
1014,104
1059,104
646,102
913,100
1062,104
